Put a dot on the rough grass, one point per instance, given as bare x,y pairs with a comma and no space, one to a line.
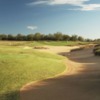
42,43
97,52
19,66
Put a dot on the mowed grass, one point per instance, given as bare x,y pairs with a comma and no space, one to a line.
19,66
60,43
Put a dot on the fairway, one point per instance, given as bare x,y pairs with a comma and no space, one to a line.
43,43
59,43
20,65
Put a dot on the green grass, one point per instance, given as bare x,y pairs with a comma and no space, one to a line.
42,43
57,43
19,66
61,43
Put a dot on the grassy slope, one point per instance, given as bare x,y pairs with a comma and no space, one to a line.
19,66
97,50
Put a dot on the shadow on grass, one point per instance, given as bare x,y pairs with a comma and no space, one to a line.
84,85
12,95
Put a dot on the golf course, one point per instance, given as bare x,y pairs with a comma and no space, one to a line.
27,71
21,63
80,81
49,49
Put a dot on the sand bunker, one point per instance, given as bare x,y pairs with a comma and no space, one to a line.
81,80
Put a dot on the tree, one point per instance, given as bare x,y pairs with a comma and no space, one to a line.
49,37
20,37
74,38
88,40
11,37
30,37
58,36
66,37
3,37
80,38
37,36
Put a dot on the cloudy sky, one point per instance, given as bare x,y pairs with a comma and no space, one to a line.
80,17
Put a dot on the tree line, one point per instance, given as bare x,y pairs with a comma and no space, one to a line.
38,37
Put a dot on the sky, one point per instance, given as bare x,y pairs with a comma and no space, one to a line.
81,17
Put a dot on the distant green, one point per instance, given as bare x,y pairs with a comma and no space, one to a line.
42,43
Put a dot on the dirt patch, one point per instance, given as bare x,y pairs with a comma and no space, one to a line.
38,47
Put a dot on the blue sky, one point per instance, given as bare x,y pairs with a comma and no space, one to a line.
81,17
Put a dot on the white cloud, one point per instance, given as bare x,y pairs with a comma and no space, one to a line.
70,2
37,3
32,27
80,4
58,2
90,7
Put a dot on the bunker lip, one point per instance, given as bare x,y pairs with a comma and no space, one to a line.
56,50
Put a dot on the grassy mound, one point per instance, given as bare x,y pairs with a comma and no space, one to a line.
96,50
19,66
